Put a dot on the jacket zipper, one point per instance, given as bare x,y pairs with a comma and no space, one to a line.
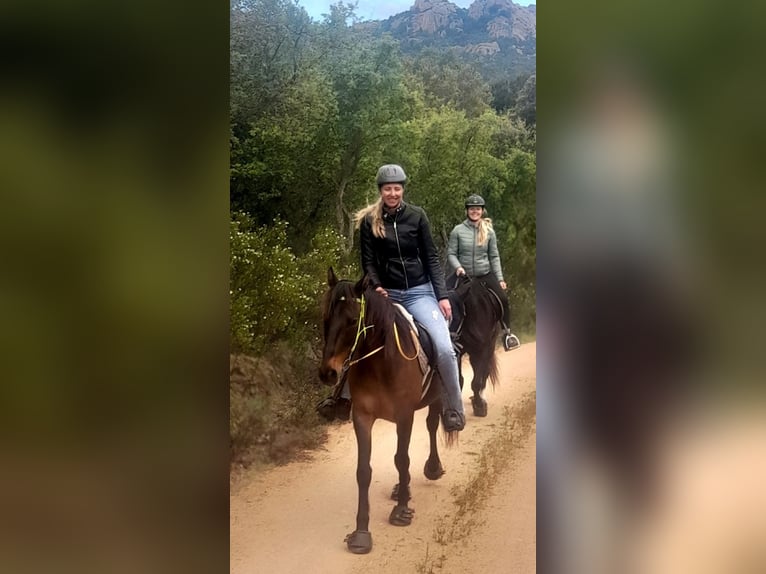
399,249
473,252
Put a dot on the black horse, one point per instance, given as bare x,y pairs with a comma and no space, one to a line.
475,327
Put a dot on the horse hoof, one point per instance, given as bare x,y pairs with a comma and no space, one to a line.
359,541
395,492
479,407
401,515
434,471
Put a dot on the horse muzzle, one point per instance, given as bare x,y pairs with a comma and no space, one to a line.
328,375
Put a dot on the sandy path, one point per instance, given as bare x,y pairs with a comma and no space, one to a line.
293,519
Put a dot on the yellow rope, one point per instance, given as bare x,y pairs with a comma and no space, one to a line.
361,330
355,361
399,345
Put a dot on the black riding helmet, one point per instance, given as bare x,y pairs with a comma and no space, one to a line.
474,201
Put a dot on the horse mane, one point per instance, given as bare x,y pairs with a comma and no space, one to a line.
382,313
481,326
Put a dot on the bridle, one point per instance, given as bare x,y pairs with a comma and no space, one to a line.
361,332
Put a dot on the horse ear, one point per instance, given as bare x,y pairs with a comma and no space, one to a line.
332,280
362,284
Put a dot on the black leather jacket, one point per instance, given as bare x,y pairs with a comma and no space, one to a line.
407,256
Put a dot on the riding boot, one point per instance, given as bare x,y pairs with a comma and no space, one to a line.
453,417
337,405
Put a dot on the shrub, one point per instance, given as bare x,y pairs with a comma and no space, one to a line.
274,295
267,288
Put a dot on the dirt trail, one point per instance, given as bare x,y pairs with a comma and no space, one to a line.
479,517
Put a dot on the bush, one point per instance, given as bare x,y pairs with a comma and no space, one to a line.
274,295
271,404
274,307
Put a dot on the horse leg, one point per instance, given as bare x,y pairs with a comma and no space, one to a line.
460,369
478,385
401,515
360,540
433,469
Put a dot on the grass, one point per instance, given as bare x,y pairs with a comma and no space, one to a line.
470,497
430,564
271,409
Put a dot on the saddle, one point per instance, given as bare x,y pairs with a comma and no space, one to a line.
425,347
456,296
495,299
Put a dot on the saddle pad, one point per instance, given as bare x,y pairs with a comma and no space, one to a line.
425,366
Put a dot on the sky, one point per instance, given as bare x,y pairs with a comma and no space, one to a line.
378,9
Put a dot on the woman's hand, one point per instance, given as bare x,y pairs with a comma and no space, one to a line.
459,271
382,291
503,285
446,309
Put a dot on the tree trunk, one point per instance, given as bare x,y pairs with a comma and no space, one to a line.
340,211
351,233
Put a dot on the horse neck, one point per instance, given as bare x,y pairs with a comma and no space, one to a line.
375,325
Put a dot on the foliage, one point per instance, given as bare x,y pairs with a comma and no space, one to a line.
271,406
526,101
505,91
448,80
273,293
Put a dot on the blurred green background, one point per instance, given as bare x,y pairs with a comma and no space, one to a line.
113,290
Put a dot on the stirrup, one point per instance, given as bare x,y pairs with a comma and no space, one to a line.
326,408
510,342
456,344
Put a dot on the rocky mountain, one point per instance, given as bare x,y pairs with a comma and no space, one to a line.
506,19
498,35
427,17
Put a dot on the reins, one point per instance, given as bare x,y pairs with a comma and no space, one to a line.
399,346
359,331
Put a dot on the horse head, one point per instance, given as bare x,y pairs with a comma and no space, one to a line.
341,305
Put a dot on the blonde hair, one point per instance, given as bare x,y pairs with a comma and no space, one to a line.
485,226
376,211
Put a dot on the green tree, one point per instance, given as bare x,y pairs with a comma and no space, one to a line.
282,101
373,104
514,216
454,154
447,80
505,92
526,101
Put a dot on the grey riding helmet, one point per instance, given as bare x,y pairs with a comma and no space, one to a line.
474,201
391,173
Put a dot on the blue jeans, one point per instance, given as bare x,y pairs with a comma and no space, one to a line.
421,303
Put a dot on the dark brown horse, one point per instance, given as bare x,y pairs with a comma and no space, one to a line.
478,311
368,341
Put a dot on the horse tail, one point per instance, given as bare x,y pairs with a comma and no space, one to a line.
451,438
494,376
